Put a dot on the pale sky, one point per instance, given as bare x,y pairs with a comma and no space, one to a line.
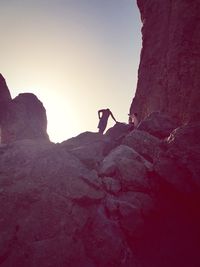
77,56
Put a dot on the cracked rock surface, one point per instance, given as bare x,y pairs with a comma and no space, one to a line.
90,201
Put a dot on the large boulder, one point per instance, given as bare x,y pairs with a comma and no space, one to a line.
131,210
179,163
25,119
21,118
105,244
118,131
144,143
157,124
47,198
85,138
127,166
44,161
89,147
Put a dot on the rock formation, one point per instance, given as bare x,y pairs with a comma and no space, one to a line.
169,71
4,91
129,198
157,124
5,97
98,202
24,117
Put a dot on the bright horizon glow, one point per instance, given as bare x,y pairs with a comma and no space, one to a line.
76,56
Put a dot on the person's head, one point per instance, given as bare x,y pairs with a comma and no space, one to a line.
130,120
132,115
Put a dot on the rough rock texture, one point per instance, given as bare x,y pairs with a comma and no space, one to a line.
24,117
157,124
5,97
4,91
168,77
118,131
127,166
85,202
145,144
53,210
179,162
89,147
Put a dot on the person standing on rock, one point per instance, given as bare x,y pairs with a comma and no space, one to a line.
103,115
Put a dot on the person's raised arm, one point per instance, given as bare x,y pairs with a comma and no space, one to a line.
112,116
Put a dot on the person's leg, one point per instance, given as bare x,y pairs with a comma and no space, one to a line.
102,125
101,130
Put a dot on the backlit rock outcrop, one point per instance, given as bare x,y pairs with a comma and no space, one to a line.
24,117
4,91
5,97
169,71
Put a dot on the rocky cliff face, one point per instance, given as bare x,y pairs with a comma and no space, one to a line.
169,71
24,117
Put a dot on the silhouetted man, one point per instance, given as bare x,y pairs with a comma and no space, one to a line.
103,119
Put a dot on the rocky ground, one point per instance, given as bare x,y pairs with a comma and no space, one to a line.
126,198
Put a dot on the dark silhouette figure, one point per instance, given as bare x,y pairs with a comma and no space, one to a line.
103,119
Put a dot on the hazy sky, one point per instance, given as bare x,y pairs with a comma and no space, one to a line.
77,56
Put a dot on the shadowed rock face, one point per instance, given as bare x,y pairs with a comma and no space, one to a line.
89,203
24,117
169,72
157,124
5,97
4,91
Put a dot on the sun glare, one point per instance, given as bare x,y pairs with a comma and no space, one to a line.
75,56
60,116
